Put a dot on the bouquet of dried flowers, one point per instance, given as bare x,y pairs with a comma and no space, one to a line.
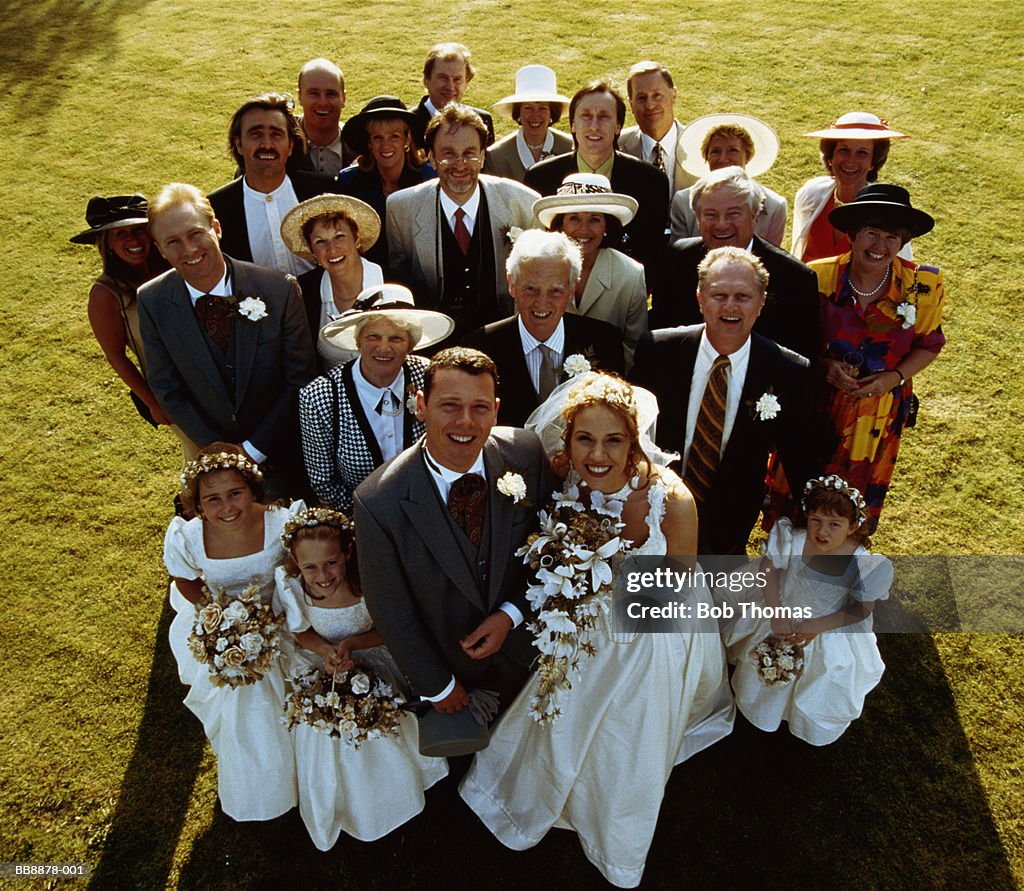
236,638
777,662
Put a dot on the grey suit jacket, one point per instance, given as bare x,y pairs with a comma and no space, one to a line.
274,358
631,142
420,590
413,215
770,224
503,157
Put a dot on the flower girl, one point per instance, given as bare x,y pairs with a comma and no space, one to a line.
826,582
360,772
225,637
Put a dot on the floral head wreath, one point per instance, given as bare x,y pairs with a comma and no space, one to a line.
594,388
220,461
314,516
836,483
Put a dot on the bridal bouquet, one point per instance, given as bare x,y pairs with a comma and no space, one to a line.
237,639
353,706
777,662
571,558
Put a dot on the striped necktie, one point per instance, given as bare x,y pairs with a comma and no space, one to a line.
658,157
706,447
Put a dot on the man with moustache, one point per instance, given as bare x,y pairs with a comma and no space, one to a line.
322,97
448,238
263,136
657,136
227,343
446,75
596,115
726,202
530,348
444,586
728,398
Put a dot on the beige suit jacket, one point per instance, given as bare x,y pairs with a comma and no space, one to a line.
631,142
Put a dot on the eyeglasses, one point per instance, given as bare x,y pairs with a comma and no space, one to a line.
469,161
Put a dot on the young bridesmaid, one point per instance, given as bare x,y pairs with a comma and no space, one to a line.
822,569
369,791
233,542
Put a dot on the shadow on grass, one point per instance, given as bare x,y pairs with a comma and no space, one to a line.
157,786
39,39
895,803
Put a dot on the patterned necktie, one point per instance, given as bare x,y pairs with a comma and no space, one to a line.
659,157
467,500
706,447
548,378
215,314
461,232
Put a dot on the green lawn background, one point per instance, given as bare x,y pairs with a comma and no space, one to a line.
100,762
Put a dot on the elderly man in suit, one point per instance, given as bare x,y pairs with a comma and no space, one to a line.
264,137
322,97
596,115
448,238
444,585
530,348
227,343
727,202
657,136
728,398
447,72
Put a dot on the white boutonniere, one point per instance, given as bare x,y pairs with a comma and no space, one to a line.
576,364
908,312
410,400
253,309
511,233
512,485
767,407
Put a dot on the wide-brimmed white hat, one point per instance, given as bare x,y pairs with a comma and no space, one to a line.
858,125
585,193
366,220
534,83
390,301
765,139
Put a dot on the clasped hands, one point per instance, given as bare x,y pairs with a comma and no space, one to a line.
339,658
856,387
483,641
784,629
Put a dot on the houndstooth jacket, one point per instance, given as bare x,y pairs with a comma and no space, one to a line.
338,443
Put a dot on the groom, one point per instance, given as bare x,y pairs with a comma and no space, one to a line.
437,538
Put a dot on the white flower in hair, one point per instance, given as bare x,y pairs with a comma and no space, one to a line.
907,312
512,485
253,309
767,407
576,364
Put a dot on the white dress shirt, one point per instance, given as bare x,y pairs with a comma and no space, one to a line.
373,276
388,428
443,479
706,355
223,289
668,144
263,214
534,356
471,209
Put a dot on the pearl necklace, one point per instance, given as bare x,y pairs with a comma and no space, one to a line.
874,290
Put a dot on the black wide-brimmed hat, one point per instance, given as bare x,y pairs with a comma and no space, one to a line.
111,213
379,108
885,204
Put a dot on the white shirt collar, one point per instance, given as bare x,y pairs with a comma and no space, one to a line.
430,106
525,155
668,142
221,289
443,477
736,359
372,391
555,342
471,208
279,192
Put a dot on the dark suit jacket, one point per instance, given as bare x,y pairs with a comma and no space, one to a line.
597,340
664,363
274,358
420,590
229,207
423,114
790,314
645,235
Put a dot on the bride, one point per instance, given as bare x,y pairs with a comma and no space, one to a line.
638,703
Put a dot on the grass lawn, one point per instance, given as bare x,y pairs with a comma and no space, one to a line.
102,763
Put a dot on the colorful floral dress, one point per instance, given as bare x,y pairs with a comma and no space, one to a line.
907,317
